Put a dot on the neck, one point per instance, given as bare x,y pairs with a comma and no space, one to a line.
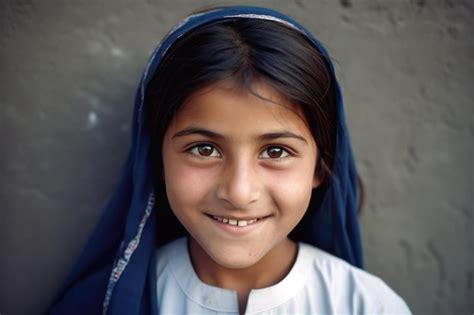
269,270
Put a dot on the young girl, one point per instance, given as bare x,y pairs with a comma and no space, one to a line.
240,191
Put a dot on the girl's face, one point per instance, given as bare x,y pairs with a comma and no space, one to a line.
239,171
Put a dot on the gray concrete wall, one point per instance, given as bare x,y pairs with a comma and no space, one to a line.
68,70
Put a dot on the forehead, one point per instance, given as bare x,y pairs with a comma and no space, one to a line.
224,103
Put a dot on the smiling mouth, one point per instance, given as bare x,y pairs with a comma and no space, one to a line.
236,222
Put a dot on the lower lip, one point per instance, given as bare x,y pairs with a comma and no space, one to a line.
236,230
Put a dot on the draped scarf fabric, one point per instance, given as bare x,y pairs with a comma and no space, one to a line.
116,270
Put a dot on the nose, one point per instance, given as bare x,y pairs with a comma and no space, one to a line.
239,185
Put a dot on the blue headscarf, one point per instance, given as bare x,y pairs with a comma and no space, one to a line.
116,272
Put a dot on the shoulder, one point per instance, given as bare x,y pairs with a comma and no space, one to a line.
172,251
344,284
170,261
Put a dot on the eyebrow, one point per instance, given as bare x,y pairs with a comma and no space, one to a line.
215,135
282,134
198,131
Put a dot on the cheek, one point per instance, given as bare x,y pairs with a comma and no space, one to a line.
297,186
185,186
296,180
293,199
291,189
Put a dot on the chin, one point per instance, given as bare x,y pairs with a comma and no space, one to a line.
236,259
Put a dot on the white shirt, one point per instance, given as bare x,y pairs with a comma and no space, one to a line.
318,283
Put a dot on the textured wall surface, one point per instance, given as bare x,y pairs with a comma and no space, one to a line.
68,71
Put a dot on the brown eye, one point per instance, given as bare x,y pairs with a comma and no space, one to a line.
205,150
274,153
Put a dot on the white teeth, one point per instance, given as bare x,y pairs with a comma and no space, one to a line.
235,222
242,223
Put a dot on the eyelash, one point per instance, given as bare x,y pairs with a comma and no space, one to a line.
286,152
196,148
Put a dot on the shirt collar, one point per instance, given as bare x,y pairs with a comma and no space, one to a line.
225,300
